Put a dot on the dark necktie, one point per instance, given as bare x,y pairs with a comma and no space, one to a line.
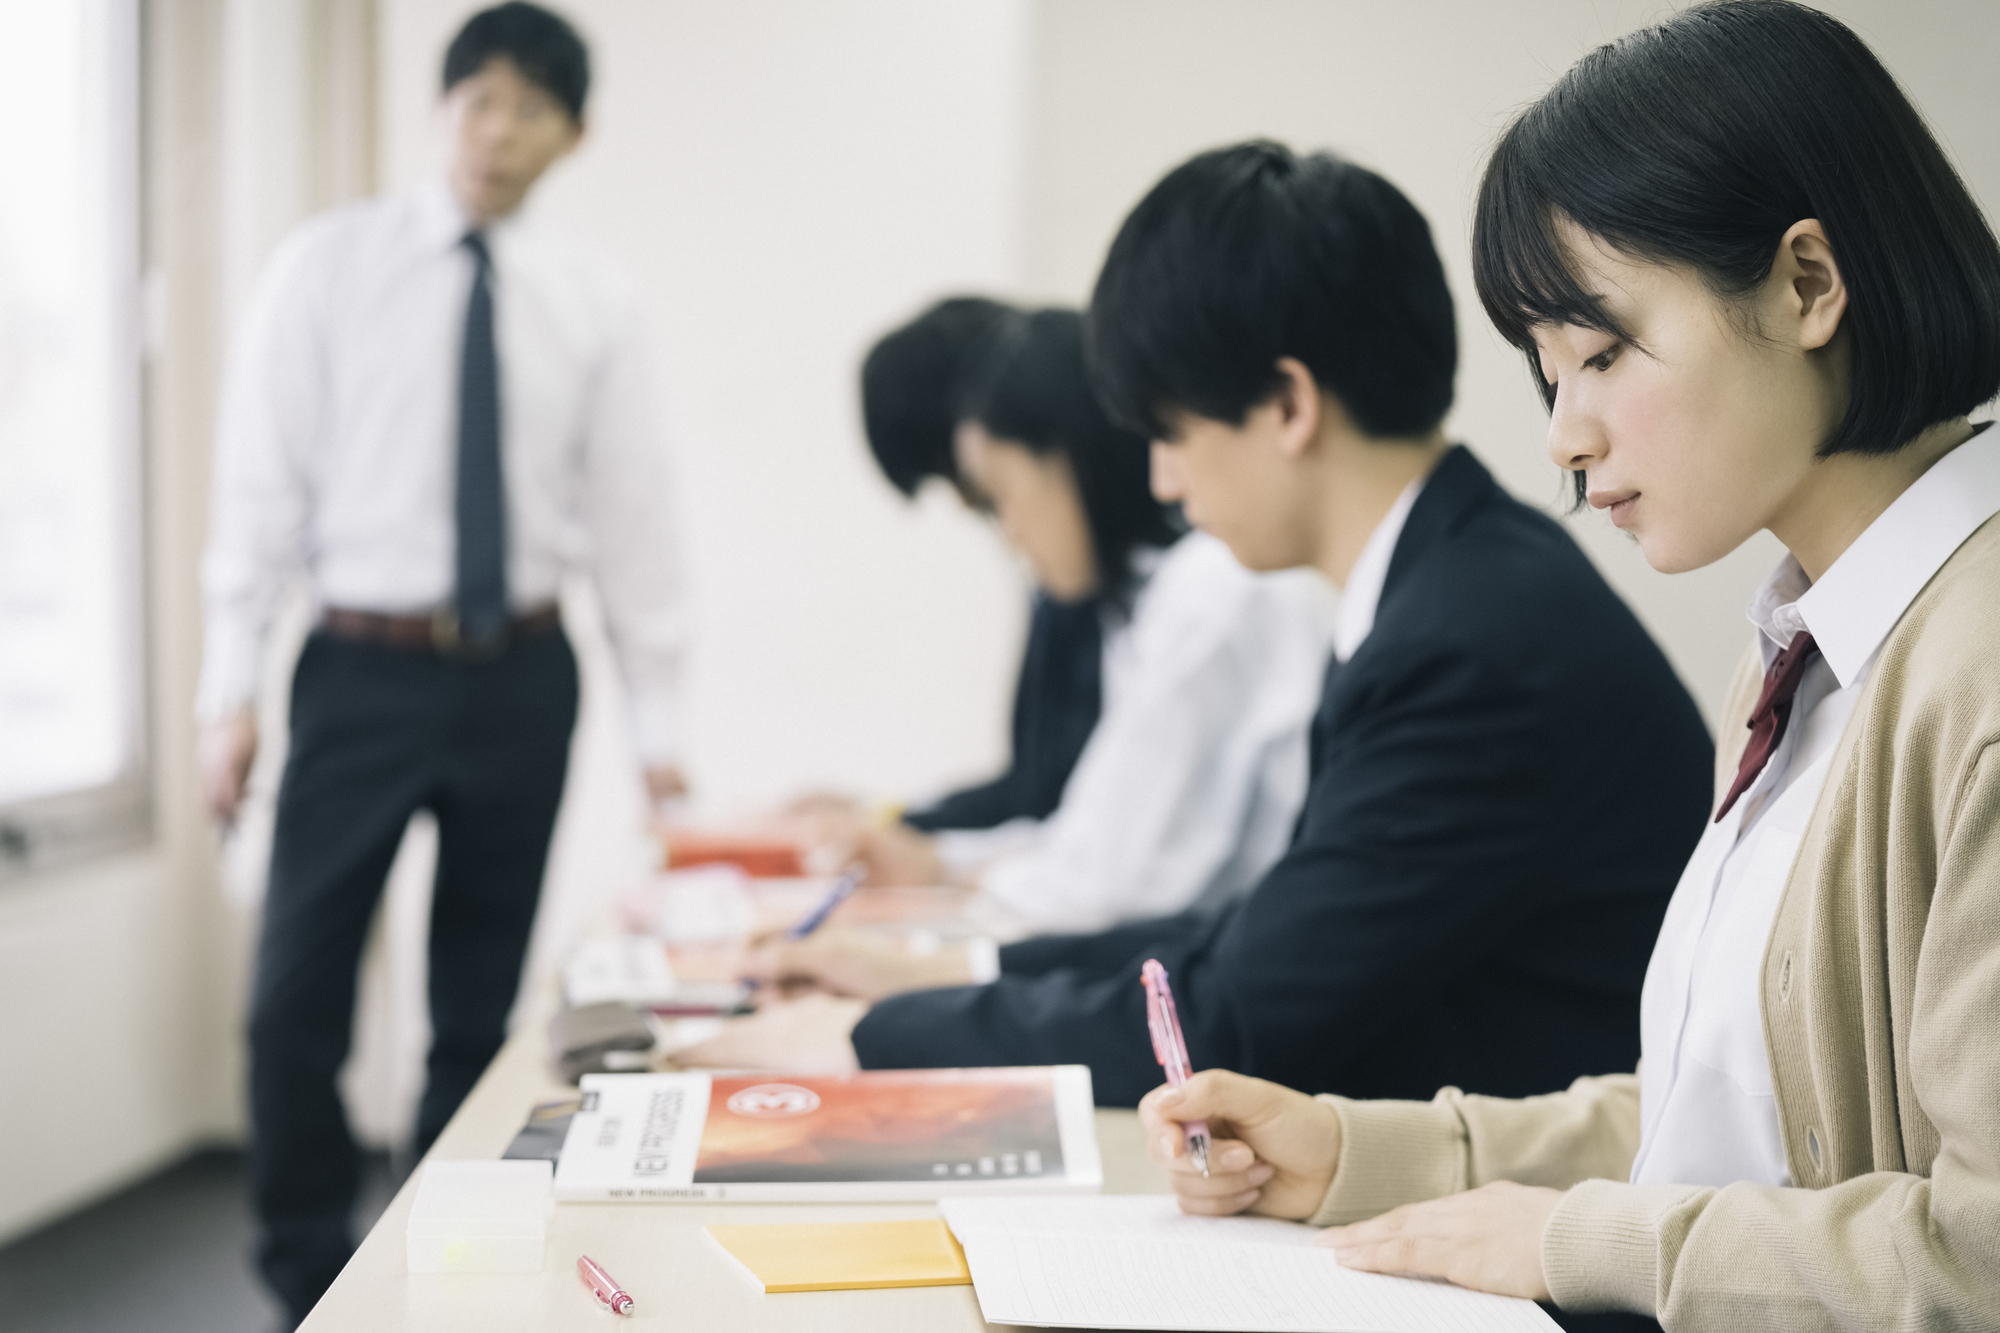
1773,711
480,598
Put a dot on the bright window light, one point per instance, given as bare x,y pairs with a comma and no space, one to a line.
69,531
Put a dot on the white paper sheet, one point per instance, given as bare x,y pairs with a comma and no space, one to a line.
1140,1263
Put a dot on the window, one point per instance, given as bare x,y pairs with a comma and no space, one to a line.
72,773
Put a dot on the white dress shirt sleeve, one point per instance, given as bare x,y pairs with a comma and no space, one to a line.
637,564
1158,814
272,404
966,852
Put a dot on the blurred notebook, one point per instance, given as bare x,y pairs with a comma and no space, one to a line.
634,970
889,1134
842,1256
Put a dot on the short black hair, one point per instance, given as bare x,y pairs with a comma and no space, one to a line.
1246,254
911,384
1699,142
1031,387
541,43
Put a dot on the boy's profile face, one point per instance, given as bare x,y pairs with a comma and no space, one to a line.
1239,484
505,130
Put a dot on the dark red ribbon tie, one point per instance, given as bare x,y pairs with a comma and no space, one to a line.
1773,712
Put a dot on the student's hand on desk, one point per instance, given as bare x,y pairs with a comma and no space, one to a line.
827,819
1271,1150
898,856
858,963
226,750
1488,1239
810,1035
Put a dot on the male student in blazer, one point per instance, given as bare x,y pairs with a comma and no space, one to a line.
1506,775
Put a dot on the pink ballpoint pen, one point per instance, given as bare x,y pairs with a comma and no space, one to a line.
609,1294
1170,1048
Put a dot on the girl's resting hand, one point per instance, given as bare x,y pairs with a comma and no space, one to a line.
1488,1239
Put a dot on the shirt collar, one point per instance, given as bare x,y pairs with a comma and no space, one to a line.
1851,610
442,223
1363,593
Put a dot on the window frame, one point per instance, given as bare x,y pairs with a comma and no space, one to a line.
61,828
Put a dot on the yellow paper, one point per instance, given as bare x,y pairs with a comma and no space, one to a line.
840,1256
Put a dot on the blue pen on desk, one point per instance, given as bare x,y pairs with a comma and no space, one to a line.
843,888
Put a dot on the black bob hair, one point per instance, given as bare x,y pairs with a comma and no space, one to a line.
1246,254
911,384
542,45
1699,142
1031,387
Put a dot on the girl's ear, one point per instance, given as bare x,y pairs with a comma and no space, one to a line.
1816,292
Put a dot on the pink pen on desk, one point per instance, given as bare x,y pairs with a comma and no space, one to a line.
1170,1048
609,1294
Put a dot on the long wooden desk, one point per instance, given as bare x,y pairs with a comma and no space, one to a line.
676,1275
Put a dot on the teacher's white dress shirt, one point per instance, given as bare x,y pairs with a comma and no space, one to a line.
1186,792
337,443
1708,1114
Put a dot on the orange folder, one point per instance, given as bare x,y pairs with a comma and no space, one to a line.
845,1256
760,857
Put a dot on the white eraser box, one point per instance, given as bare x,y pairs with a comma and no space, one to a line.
481,1217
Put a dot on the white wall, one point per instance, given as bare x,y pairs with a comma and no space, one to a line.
1125,89
103,1071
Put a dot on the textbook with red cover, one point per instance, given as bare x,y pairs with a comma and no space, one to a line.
887,1134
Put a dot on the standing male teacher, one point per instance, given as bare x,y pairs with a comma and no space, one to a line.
434,412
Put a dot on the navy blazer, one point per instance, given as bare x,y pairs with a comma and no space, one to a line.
1057,698
1507,778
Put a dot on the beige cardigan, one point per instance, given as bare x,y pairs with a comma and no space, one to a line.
1881,1009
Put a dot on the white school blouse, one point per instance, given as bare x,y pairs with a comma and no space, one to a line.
1186,792
336,448
1707,1112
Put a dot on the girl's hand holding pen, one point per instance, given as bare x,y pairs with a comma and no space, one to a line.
1273,1151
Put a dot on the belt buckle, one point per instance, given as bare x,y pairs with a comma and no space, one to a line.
452,645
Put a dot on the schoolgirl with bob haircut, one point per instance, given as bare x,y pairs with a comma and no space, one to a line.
1755,295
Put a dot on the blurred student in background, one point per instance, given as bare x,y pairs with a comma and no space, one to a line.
1756,296
911,386
1505,773
1190,781
1193,773
435,411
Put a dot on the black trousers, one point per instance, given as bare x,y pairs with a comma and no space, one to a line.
379,733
